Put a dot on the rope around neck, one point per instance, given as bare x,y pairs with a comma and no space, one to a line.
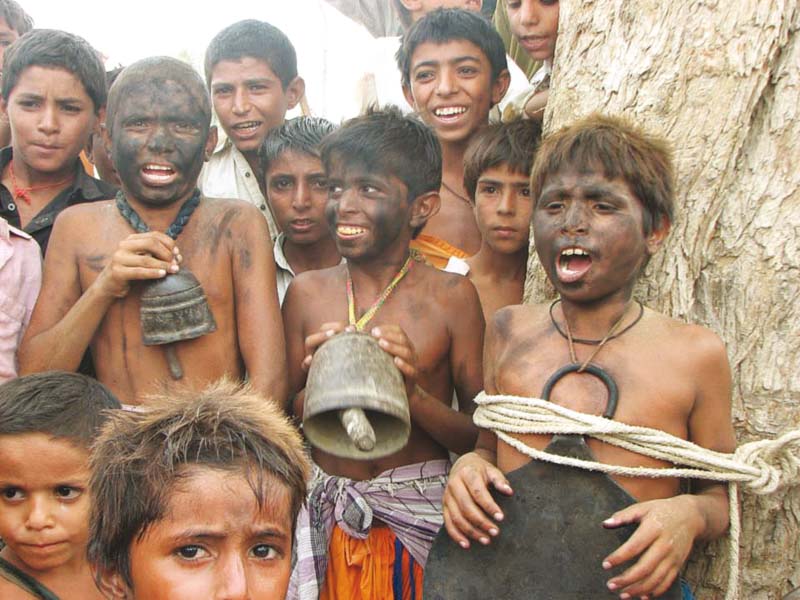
763,466
174,230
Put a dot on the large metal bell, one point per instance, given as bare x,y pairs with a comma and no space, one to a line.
174,309
355,400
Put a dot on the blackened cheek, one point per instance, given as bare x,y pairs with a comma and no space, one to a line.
330,213
124,151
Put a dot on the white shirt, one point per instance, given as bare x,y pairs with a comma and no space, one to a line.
227,174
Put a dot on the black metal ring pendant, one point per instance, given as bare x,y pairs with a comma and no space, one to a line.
591,369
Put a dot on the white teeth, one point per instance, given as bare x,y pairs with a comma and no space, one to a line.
248,125
348,230
157,168
574,252
449,111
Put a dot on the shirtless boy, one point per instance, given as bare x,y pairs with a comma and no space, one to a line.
158,131
297,191
196,498
604,206
454,69
384,175
48,421
496,176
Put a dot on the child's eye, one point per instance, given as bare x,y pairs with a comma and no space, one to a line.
335,191
72,108
513,4
525,192
281,183
12,493
67,492
467,70
264,551
185,127
191,552
423,75
488,189
319,184
369,189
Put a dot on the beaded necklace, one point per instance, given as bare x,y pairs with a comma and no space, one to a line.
174,230
367,316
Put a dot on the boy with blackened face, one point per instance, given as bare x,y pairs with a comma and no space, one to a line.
158,129
384,174
603,206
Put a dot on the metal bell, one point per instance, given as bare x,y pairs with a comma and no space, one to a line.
174,309
355,400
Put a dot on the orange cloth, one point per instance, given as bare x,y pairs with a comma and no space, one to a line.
435,250
363,569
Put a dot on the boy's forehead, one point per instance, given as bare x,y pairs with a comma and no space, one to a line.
39,456
354,167
243,67
445,51
149,96
295,160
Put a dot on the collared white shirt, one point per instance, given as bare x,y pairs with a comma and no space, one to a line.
227,174
20,281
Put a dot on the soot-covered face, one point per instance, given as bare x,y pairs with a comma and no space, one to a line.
159,140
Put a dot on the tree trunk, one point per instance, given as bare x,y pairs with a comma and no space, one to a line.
718,78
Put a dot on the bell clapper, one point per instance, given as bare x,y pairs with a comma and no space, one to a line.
358,428
174,364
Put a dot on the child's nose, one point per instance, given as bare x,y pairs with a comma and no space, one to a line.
49,120
40,515
231,578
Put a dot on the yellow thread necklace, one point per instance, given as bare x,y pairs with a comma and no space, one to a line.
367,316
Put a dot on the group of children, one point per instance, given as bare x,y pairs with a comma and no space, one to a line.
414,229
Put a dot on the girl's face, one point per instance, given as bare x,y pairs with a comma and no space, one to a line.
535,25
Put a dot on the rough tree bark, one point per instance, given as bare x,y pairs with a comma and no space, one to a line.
720,79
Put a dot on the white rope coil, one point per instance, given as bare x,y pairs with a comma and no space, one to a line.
762,467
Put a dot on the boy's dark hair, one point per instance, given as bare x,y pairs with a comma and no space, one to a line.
622,151
56,50
447,24
303,135
386,141
15,17
256,39
157,70
512,144
62,405
140,456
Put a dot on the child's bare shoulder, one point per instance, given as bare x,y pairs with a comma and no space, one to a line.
85,213
218,208
696,345
518,320
318,282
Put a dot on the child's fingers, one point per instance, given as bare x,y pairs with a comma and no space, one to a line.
641,539
467,516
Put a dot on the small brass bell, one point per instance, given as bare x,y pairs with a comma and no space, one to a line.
174,309
355,400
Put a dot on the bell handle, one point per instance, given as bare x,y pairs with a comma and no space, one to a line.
174,364
358,428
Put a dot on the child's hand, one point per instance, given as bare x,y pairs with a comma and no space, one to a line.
395,342
315,340
667,529
534,107
467,500
140,256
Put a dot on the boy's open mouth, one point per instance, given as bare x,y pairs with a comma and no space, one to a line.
572,264
349,231
448,114
246,127
154,174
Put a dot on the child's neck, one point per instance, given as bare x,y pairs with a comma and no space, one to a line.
310,257
498,266
593,320
453,165
36,188
157,217
371,276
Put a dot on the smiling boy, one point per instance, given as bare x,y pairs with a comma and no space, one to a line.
297,191
496,168
158,129
54,93
47,423
384,174
454,70
251,70
196,498
604,206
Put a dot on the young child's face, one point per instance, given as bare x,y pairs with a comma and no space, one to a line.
44,501
297,191
503,208
51,117
159,140
366,210
589,234
215,542
7,37
249,100
535,25
451,88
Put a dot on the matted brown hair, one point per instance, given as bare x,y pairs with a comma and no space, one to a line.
139,457
622,151
512,144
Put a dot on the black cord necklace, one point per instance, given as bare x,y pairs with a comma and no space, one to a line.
174,230
456,194
593,342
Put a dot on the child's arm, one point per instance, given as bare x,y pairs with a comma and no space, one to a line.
467,501
66,318
668,528
258,314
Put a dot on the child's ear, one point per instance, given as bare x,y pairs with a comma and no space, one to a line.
110,584
295,91
424,207
500,86
657,236
211,143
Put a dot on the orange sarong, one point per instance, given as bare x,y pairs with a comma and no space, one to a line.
435,250
366,570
